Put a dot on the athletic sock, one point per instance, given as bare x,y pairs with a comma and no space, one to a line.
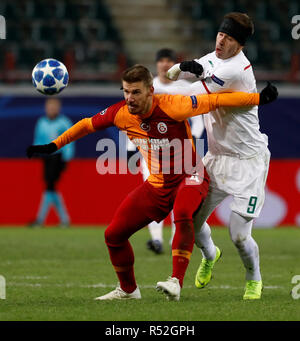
204,241
46,201
182,248
122,259
249,254
240,232
61,208
187,202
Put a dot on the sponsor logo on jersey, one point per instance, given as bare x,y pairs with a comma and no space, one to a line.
145,126
151,144
194,102
162,127
103,112
211,63
217,80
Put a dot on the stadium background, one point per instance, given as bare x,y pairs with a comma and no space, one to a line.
98,39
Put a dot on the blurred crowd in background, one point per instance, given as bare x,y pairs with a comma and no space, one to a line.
97,39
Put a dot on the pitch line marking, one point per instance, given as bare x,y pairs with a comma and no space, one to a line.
103,285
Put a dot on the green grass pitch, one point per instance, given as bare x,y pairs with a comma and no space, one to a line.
53,274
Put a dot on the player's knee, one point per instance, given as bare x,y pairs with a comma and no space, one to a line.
187,203
240,229
238,238
182,215
107,236
182,211
112,237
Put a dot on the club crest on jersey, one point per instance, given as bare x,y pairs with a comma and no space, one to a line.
162,127
103,112
145,126
217,80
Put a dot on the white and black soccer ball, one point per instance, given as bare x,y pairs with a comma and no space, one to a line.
50,76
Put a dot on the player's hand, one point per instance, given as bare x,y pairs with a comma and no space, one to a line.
268,94
173,72
191,66
41,149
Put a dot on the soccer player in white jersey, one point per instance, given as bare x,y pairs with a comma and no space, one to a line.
165,59
238,157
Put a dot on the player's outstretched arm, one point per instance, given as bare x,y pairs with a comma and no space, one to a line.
241,99
78,130
183,107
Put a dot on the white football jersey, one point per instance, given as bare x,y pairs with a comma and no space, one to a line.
171,87
232,131
180,87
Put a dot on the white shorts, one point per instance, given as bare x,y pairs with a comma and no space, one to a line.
244,179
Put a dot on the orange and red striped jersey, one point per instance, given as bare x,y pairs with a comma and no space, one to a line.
162,134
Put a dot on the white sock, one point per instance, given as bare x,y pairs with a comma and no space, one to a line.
204,241
240,232
155,230
249,254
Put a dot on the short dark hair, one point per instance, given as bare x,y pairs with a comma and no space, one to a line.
166,53
138,73
243,19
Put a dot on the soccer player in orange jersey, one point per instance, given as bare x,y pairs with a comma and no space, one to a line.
154,123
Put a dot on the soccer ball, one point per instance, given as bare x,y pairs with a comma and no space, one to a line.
50,76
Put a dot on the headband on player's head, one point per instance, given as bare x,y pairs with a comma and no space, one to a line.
235,30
